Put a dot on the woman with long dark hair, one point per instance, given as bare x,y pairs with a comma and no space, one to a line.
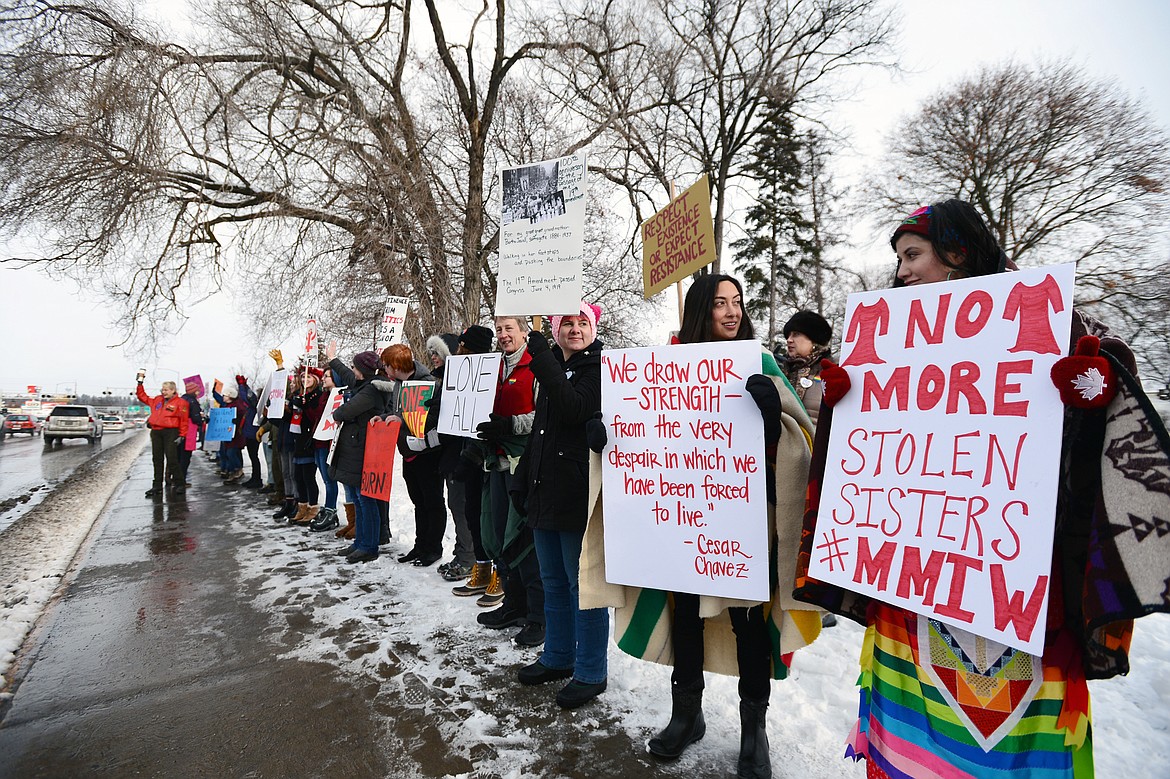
701,633
910,722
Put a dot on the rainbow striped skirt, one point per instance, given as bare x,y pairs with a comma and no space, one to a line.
940,702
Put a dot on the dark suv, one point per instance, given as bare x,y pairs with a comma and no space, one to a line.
72,422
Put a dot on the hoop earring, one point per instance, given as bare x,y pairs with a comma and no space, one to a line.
949,274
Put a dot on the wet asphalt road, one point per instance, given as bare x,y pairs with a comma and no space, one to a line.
28,471
152,665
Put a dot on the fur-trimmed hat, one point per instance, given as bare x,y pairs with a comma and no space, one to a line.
477,339
444,345
590,311
367,363
812,325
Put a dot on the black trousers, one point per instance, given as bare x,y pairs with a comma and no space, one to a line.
472,508
424,483
253,447
752,647
165,453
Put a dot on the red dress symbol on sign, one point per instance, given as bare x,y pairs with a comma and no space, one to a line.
1029,305
867,323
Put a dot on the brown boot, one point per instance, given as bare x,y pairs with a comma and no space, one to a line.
481,574
302,509
309,515
350,522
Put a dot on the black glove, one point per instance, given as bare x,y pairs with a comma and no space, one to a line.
764,393
519,503
432,403
495,428
537,343
595,434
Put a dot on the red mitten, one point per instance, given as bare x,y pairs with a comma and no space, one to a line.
1085,379
834,382
240,379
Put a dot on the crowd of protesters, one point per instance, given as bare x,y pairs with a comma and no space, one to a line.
521,502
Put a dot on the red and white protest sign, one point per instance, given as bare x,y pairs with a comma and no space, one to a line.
378,463
273,402
393,320
311,340
683,470
327,427
940,484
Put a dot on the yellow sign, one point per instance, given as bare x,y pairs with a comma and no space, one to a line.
678,240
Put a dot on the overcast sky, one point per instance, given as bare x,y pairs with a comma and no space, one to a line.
58,335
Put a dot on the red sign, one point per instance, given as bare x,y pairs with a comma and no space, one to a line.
378,464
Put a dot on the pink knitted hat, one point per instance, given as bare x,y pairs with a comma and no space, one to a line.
590,311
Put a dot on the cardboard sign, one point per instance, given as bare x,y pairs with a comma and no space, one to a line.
277,388
221,425
197,382
378,463
940,486
684,471
542,237
393,320
327,427
678,240
469,392
410,405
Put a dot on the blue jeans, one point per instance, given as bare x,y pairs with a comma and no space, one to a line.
233,459
365,536
572,638
320,456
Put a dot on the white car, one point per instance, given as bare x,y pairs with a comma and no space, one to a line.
113,423
69,421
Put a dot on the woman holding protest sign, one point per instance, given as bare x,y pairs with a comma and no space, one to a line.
938,700
369,397
308,407
551,489
420,461
327,519
698,633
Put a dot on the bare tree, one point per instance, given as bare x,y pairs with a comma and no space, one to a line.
677,88
292,134
1063,166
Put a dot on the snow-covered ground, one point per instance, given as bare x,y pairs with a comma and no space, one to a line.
389,621
398,628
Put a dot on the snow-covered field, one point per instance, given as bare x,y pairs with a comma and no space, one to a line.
407,627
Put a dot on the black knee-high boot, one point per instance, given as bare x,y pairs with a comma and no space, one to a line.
686,724
754,759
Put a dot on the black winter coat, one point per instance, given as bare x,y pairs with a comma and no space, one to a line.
368,399
554,472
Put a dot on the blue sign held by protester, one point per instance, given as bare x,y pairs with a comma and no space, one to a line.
221,426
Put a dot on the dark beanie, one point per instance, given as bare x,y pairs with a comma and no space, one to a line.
477,339
811,324
368,363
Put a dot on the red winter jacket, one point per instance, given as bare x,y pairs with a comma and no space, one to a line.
515,395
165,413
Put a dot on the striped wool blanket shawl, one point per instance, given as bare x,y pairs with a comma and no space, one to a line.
643,616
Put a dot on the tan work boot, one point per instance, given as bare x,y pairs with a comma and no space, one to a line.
494,594
350,520
309,515
481,575
302,509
